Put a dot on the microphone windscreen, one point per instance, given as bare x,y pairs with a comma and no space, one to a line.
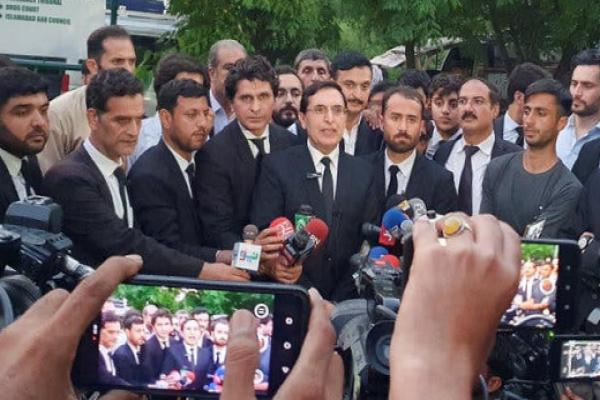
394,200
391,260
419,207
283,226
377,252
318,230
393,218
250,232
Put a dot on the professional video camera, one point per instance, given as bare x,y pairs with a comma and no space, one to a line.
32,245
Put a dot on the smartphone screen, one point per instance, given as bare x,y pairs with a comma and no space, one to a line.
534,305
173,338
580,359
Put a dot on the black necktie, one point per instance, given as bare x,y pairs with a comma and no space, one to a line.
120,175
520,139
260,145
327,187
191,173
26,178
465,187
393,186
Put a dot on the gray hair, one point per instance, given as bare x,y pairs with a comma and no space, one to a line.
213,59
310,54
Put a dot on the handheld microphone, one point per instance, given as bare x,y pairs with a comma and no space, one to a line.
391,260
305,213
299,246
401,202
397,223
377,252
246,255
419,208
283,227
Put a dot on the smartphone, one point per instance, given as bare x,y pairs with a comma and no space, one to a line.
168,335
575,358
546,294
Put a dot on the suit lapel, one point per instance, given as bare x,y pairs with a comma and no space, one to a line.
380,177
498,148
245,156
310,185
343,185
7,187
276,141
413,183
82,155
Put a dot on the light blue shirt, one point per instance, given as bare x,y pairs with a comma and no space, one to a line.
567,144
150,134
221,119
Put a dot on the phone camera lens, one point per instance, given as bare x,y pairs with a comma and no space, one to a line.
287,345
289,321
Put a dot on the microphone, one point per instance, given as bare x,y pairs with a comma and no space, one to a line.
419,208
377,252
391,260
299,246
246,255
401,202
283,227
396,223
305,213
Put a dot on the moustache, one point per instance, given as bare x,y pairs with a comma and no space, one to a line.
467,115
289,107
356,101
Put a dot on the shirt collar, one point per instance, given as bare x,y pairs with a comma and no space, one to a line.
437,136
105,165
571,125
316,155
485,147
354,131
250,136
509,123
293,128
215,105
404,166
12,162
135,349
182,162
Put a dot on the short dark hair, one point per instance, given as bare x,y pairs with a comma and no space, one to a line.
200,310
311,54
445,83
348,60
95,42
522,76
287,70
107,317
185,321
494,94
19,81
251,68
220,320
415,79
405,91
111,83
213,52
133,319
170,92
160,313
552,87
380,87
5,61
586,57
314,89
172,64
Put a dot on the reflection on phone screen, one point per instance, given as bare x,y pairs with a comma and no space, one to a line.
534,305
580,359
176,338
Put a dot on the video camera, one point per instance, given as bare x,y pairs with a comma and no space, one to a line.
37,252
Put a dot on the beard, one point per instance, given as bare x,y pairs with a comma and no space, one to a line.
402,147
587,110
286,116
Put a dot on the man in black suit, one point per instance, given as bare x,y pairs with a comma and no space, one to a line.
128,357
588,160
335,184
287,102
23,133
352,71
398,168
91,187
467,157
110,327
509,126
188,355
229,163
161,181
156,347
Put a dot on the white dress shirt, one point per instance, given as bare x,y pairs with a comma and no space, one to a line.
191,351
510,129
136,352
479,162
436,138
107,168
108,361
13,165
250,136
350,138
150,134
293,128
405,167
568,145
316,156
183,164
221,118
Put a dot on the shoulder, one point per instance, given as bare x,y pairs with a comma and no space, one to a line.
506,146
223,141
71,167
504,161
568,179
149,163
373,158
432,167
65,101
358,164
284,156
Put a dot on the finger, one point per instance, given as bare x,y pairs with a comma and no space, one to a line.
487,233
465,235
271,248
45,306
242,357
424,233
334,384
86,301
512,245
120,395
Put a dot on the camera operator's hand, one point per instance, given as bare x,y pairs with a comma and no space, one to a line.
224,257
270,244
39,348
451,307
569,395
222,272
318,373
280,272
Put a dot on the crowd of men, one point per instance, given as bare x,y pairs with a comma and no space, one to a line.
184,350
241,142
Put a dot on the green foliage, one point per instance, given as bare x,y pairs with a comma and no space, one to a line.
533,251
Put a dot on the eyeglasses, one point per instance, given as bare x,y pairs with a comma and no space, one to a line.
321,111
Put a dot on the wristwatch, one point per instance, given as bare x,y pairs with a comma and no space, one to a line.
584,240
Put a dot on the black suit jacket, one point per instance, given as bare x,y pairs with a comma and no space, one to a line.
227,172
126,367
90,221
176,359
164,209
587,161
283,186
428,181
500,147
499,127
368,140
8,193
106,377
154,357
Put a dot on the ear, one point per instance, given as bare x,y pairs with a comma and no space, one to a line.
302,117
519,98
212,74
496,110
92,66
92,117
494,384
562,122
166,119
